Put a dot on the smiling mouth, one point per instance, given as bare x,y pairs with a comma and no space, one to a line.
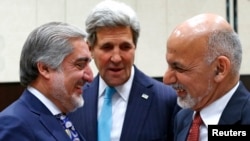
179,89
115,69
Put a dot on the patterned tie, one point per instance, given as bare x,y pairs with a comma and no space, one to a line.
194,132
105,119
68,126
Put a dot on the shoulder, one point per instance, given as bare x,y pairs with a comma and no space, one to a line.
15,111
14,118
19,110
152,83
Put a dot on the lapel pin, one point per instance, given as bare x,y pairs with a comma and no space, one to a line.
145,96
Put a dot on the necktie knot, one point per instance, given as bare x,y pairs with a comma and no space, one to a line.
197,119
109,91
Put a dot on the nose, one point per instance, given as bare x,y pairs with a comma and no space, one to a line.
116,56
169,77
88,74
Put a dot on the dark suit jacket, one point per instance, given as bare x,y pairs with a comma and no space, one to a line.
145,120
27,119
237,111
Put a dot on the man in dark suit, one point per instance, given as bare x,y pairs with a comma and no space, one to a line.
54,65
142,108
204,56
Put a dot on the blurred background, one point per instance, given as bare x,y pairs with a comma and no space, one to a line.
157,17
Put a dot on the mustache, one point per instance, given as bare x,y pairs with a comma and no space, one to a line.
81,82
178,86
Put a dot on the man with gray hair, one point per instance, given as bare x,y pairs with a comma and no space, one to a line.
204,56
140,108
54,65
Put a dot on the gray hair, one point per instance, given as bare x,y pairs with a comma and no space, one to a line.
226,43
111,14
49,43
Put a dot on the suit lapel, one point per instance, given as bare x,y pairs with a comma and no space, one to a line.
237,101
184,122
49,122
91,97
182,135
139,101
54,127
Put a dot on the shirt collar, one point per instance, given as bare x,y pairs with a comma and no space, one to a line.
49,104
212,113
123,90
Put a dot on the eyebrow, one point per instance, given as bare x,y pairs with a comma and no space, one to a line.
177,65
85,59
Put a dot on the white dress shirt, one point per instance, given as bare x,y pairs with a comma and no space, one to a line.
212,113
49,104
119,104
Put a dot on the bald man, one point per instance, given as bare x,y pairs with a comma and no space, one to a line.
204,57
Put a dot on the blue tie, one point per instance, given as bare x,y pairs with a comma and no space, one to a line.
68,126
105,119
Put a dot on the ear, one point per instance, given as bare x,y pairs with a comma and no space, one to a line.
43,70
222,68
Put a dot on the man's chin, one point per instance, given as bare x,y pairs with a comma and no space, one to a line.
78,102
184,103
